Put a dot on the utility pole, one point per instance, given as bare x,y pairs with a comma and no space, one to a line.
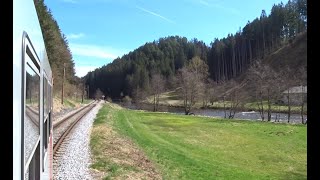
64,74
88,91
83,87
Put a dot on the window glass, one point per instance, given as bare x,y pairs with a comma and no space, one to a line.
45,98
49,97
32,108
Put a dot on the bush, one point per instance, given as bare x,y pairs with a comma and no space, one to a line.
109,99
127,99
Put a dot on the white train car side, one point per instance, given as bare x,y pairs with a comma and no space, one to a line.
32,96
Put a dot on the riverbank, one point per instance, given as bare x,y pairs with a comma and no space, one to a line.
247,107
220,113
191,147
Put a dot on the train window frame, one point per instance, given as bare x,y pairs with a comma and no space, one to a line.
45,88
49,118
45,115
50,109
34,63
32,68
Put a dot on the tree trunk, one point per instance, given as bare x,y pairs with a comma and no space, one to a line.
231,108
157,102
224,108
82,93
263,43
269,106
301,112
234,69
271,45
154,103
186,111
250,52
289,106
302,105
260,106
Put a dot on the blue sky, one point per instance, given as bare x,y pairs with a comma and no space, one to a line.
98,31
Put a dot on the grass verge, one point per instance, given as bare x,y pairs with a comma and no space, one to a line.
116,156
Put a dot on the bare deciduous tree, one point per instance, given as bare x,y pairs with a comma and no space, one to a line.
126,100
278,93
302,81
199,68
288,82
210,93
191,89
191,80
157,87
270,89
221,89
237,97
263,78
138,96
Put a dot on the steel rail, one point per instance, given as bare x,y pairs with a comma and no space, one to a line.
65,133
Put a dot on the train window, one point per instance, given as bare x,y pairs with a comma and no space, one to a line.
49,125
33,171
45,97
45,142
45,135
45,118
31,120
50,106
49,98
32,109
48,129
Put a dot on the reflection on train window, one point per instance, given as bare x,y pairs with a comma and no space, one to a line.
45,96
45,118
33,170
49,99
32,118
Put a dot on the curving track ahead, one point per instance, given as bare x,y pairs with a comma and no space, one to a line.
62,128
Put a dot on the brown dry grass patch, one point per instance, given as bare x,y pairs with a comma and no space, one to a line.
124,159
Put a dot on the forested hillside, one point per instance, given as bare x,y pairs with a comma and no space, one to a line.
226,58
292,54
58,51
133,70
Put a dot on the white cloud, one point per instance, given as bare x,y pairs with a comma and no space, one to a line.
83,70
217,4
155,14
95,51
228,9
70,1
204,2
75,36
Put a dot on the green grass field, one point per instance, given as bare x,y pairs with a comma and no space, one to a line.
189,147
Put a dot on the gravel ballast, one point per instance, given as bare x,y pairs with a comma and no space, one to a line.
74,160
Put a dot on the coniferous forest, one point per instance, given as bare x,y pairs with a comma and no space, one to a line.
227,58
58,52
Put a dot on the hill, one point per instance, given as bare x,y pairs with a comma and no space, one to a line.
293,54
227,58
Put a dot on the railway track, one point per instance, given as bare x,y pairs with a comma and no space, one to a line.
71,158
64,126
33,115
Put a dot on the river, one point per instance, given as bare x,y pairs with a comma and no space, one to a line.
250,115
